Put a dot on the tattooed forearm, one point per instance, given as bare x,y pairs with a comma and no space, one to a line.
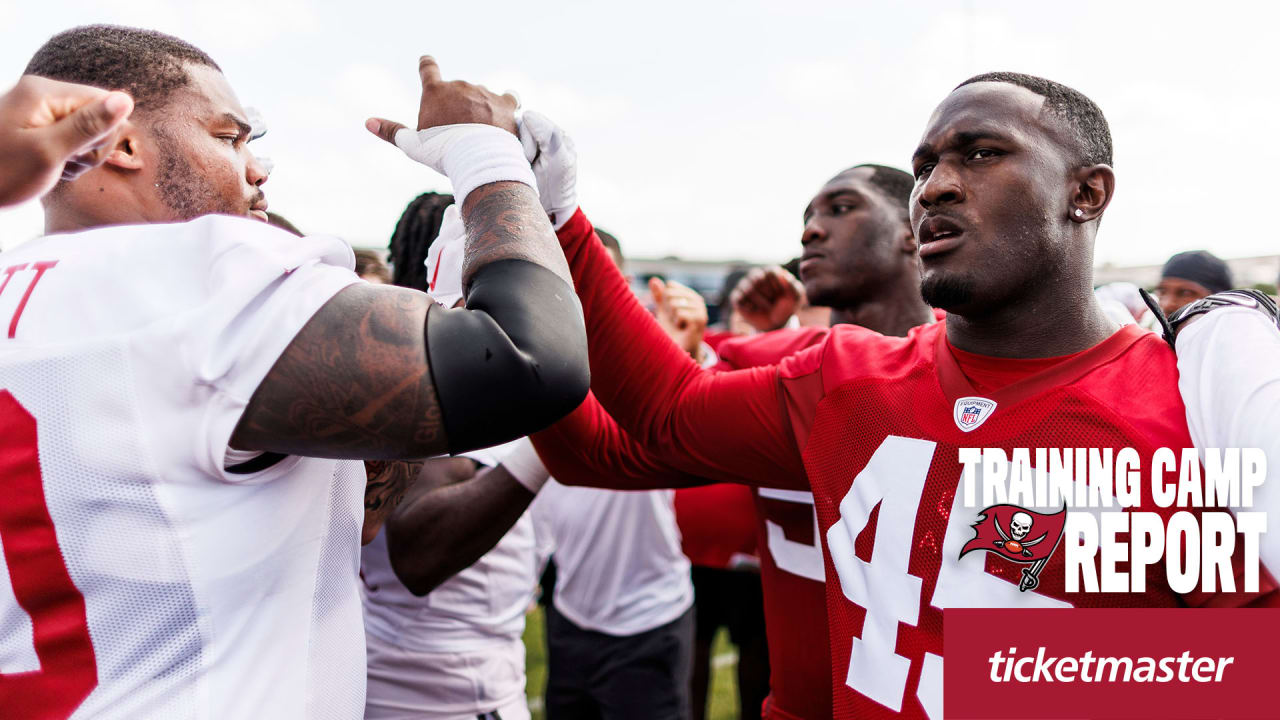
388,481
354,383
505,222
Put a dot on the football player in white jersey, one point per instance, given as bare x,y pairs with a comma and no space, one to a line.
446,646
171,378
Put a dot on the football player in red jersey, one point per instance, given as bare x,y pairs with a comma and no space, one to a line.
1012,176
860,260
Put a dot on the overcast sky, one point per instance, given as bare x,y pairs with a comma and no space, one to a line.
703,128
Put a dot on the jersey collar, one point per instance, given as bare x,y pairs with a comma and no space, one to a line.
955,385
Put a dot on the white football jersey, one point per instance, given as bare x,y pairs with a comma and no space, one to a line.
456,651
138,578
619,566
1229,377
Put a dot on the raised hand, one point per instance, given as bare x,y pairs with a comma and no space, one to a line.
451,103
768,297
682,313
51,130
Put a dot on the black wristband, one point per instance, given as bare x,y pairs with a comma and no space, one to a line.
513,361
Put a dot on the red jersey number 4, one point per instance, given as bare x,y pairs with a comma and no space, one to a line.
894,479
41,584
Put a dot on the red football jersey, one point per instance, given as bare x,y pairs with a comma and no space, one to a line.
873,425
717,525
791,566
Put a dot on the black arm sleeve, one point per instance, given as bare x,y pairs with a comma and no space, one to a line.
513,361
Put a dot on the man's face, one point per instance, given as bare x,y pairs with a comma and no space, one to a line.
1175,292
854,241
200,156
990,202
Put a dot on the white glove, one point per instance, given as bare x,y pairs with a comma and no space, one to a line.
444,259
555,165
469,154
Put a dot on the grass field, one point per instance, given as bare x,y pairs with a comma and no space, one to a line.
724,690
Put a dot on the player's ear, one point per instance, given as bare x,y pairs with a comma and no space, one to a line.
127,154
1092,189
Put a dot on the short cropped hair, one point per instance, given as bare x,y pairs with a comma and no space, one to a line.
1082,116
894,185
146,64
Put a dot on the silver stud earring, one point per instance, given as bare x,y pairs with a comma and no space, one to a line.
1079,212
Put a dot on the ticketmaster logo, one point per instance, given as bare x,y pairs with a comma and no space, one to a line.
1090,669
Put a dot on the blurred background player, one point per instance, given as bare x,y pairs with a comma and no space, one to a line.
443,643
1122,302
372,268
1189,276
187,546
860,261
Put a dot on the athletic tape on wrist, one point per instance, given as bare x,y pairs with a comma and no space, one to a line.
525,466
470,155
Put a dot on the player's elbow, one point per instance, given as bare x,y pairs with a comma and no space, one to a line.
514,361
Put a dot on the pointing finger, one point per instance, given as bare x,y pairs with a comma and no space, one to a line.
428,70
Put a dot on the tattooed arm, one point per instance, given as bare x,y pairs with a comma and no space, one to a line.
364,380
388,481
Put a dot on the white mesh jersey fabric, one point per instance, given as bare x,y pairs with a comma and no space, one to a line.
206,594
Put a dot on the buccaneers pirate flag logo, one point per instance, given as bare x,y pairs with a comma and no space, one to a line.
1020,535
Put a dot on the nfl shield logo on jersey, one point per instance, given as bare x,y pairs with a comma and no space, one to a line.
970,412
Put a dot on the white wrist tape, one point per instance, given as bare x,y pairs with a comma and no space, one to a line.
470,155
525,466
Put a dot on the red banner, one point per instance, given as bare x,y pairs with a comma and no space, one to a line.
1111,663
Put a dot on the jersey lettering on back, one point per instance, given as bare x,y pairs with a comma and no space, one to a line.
35,270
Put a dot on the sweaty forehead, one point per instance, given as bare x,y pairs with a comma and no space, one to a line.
993,106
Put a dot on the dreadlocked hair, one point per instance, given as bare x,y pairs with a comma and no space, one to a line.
414,233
